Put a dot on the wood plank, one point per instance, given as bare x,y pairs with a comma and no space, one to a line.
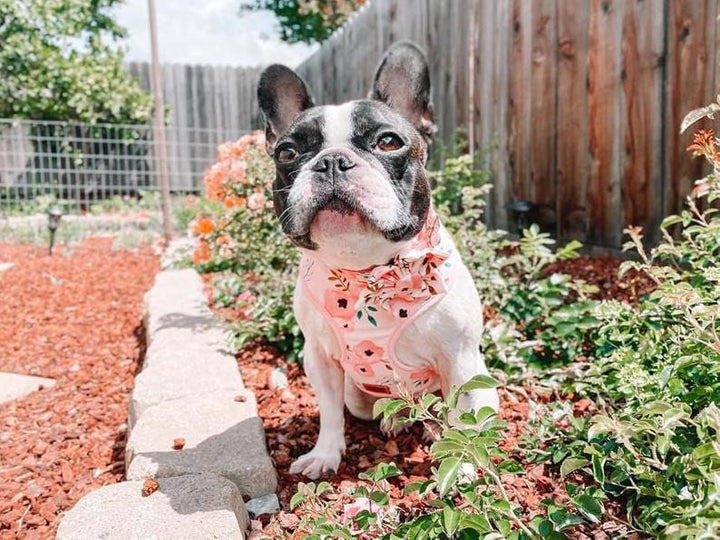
521,127
461,55
690,72
543,87
500,91
483,100
643,54
606,131
572,113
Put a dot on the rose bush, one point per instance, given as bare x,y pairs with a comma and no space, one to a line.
241,243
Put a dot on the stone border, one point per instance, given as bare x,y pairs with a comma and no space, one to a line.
189,389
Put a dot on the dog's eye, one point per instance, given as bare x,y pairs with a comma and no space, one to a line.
389,142
287,154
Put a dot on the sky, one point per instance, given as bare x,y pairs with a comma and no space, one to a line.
207,32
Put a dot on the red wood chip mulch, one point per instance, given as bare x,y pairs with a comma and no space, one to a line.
75,317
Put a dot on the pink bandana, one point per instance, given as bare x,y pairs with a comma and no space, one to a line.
369,309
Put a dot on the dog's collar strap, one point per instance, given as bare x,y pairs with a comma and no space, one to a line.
369,309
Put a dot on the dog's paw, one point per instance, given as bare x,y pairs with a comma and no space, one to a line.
316,463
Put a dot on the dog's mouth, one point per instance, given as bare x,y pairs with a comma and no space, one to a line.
339,214
337,205
334,214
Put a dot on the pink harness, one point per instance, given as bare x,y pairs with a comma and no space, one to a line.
369,309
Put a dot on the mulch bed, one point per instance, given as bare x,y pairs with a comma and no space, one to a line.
75,317
602,271
291,423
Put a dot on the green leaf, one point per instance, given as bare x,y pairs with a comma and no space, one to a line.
598,464
483,414
323,487
380,497
372,320
572,464
447,474
670,220
450,519
296,500
476,522
442,446
589,507
564,519
388,407
479,382
379,406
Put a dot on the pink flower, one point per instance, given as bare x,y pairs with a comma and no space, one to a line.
367,351
339,305
237,171
352,509
256,201
245,297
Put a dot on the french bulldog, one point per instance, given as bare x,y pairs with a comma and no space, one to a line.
383,299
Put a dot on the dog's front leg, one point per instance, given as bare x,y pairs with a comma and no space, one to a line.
468,363
327,379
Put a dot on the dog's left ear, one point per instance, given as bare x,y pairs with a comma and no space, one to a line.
403,81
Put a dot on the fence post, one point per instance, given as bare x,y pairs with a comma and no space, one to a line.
159,125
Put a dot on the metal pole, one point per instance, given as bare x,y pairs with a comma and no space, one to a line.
159,126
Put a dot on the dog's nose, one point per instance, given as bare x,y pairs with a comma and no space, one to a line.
335,162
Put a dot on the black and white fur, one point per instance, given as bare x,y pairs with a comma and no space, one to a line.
351,187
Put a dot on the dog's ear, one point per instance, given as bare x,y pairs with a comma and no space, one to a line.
282,96
403,81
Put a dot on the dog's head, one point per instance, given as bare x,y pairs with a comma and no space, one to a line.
351,183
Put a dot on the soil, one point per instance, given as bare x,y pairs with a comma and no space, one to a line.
291,420
75,317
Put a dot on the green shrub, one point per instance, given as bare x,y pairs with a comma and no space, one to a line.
655,440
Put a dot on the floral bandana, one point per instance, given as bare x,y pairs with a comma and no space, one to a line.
369,309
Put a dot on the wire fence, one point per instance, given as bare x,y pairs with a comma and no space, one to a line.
78,165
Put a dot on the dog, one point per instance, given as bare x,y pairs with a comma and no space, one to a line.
383,299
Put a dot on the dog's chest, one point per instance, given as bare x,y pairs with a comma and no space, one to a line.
369,310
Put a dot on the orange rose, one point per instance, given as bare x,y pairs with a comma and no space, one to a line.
233,201
202,253
204,225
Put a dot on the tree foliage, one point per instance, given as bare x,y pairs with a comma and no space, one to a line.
60,60
306,21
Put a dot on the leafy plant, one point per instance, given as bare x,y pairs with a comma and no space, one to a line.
464,498
654,441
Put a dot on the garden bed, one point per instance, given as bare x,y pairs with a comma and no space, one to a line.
75,317
291,423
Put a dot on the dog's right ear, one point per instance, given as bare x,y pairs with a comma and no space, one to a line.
282,96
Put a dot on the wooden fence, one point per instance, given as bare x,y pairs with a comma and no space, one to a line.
208,105
577,102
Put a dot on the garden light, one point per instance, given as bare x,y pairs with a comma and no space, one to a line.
522,214
54,214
